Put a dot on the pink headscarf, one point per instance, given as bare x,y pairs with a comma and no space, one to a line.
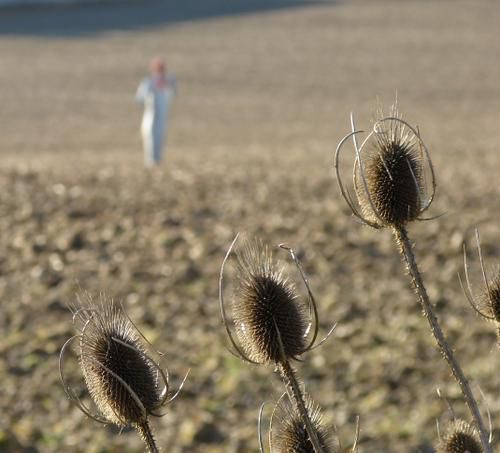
158,72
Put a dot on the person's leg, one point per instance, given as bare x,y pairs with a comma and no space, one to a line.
148,145
158,144
164,141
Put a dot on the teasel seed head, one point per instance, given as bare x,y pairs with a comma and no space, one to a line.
289,433
461,437
125,383
119,375
268,313
487,304
490,299
393,177
393,174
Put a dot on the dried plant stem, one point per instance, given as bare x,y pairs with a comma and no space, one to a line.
293,388
406,249
148,438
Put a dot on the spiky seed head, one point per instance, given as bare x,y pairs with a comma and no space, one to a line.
393,172
290,434
267,310
120,377
490,300
489,303
461,437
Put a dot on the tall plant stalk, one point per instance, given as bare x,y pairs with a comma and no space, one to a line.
292,385
406,250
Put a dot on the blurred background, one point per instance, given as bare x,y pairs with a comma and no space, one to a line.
265,89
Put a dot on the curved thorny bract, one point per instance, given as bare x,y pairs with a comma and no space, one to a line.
125,383
272,323
392,177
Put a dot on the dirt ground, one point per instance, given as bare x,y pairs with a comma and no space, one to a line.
265,93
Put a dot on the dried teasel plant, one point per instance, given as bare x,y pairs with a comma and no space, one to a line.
393,175
460,437
125,383
394,184
272,324
287,431
487,304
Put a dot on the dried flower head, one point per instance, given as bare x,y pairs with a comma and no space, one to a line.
390,176
269,316
288,431
487,304
461,437
268,313
125,383
490,299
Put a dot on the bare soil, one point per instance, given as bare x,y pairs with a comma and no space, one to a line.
264,97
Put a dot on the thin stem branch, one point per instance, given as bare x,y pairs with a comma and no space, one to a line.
148,438
291,383
406,249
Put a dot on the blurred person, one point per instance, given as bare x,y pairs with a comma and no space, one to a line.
155,93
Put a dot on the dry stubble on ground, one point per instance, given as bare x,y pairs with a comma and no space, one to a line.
263,99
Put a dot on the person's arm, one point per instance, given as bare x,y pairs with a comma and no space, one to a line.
142,91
